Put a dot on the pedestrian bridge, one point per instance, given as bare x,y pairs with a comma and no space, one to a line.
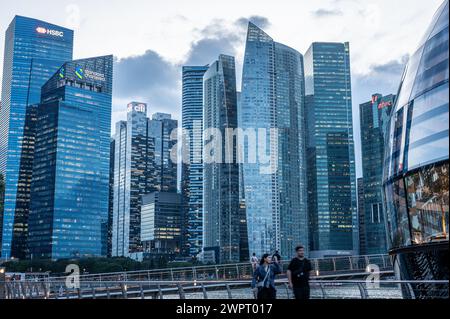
325,268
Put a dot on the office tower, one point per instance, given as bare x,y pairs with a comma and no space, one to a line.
330,151
161,225
192,167
134,176
112,156
416,167
34,51
221,210
70,182
361,219
163,129
374,116
2,198
273,98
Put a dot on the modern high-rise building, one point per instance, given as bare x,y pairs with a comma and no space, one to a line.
70,181
330,151
112,156
161,225
374,116
192,167
221,206
163,129
416,167
361,219
272,97
134,176
34,51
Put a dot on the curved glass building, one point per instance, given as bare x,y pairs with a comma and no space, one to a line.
416,167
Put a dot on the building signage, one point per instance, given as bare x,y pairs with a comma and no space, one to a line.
94,75
140,107
55,33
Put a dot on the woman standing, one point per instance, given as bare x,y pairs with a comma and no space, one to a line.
263,283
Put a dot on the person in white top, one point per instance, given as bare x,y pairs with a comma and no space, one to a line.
254,260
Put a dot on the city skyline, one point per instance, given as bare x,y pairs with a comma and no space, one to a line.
199,39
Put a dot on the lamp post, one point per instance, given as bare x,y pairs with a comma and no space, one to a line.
2,283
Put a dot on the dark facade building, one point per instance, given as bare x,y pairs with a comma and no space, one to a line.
416,168
272,99
221,209
374,116
361,219
134,176
163,129
161,225
330,151
34,51
70,182
192,164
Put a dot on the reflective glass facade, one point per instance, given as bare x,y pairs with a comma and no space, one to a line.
374,116
134,176
221,205
273,98
192,167
161,224
34,51
70,182
163,129
416,167
330,151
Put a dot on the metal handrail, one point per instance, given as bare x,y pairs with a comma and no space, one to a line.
204,268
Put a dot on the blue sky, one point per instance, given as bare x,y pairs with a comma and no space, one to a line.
151,40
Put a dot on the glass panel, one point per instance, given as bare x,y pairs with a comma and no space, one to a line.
398,224
428,204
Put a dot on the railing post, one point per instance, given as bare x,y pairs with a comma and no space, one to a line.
351,262
362,291
322,289
194,274
205,295
142,292
238,276
287,290
384,262
334,264
217,272
181,292
171,274
160,293
230,296
124,291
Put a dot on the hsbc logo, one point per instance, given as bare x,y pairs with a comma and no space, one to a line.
54,33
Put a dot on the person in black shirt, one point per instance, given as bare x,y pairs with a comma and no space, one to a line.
276,256
298,274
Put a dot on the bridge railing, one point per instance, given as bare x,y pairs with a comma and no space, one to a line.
320,289
240,271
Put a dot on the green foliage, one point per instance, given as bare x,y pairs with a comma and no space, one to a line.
90,265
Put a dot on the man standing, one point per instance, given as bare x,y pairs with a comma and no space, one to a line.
298,274
254,261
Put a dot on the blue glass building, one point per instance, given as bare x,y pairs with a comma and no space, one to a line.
70,183
192,167
34,51
374,116
416,167
272,97
221,203
330,149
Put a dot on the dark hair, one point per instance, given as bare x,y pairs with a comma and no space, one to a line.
263,258
254,254
299,247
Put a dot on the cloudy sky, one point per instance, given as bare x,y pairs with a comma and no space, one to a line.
151,40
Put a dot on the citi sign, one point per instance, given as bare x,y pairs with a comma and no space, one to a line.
54,33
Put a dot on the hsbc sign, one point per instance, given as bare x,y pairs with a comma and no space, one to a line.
54,33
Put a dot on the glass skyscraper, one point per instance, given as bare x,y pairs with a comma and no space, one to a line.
272,97
221,205
374,116
192,167
70,181
163,129
134,176
34,51
330,149
416,168
361,214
